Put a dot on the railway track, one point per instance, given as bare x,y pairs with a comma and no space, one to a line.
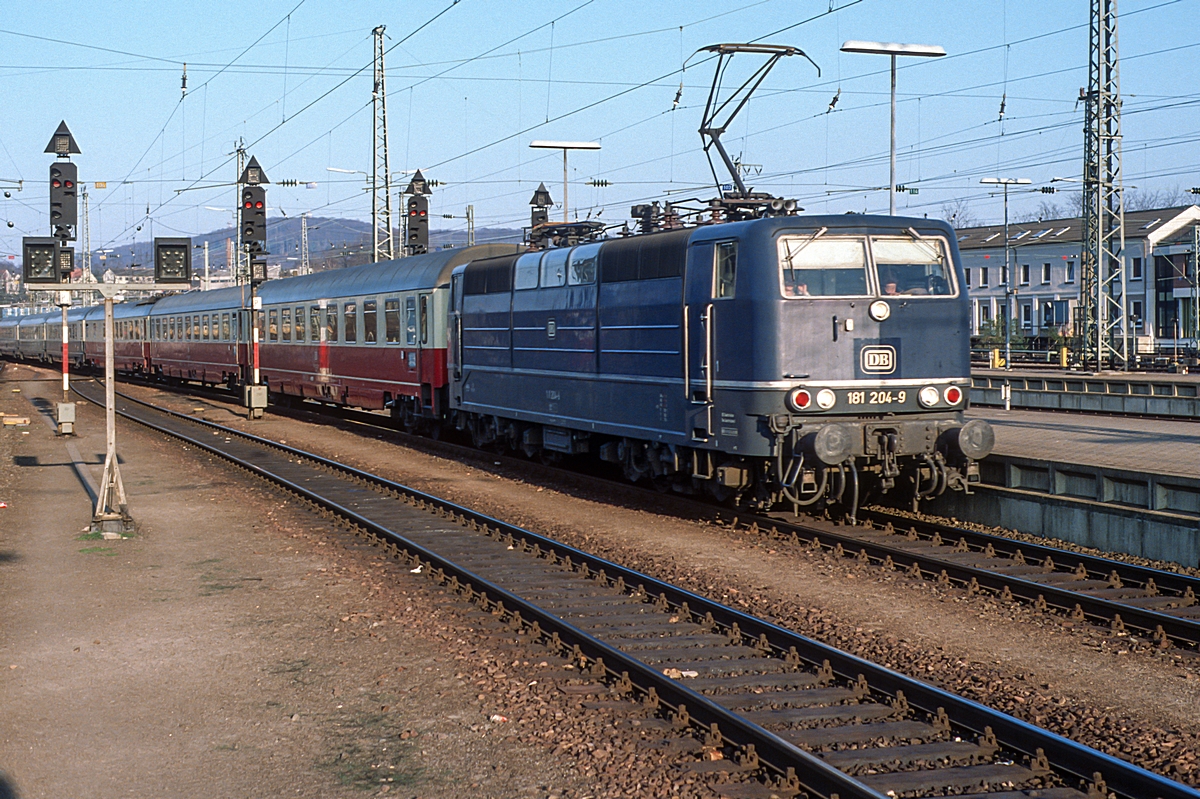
777,714
1160,605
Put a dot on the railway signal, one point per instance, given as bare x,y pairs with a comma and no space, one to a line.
64,201
254,214
172,260
39,259
417,220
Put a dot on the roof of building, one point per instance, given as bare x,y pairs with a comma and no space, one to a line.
1138,224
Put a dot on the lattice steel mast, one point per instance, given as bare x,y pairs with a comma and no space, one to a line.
382,240
1103,325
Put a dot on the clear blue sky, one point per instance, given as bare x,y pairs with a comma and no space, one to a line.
471,89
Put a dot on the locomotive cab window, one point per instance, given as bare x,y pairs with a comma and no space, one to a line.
817,266
913,267
725,269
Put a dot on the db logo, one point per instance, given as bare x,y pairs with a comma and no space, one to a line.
879,360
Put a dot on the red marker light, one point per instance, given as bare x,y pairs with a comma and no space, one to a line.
800,399
953,395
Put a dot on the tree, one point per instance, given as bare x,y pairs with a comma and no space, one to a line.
959,214
1149,199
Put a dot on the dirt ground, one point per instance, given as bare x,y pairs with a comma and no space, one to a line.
232,646
1077,681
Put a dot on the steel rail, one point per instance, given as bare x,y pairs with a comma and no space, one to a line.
1065,756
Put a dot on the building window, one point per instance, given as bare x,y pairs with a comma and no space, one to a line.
1026,315
983,277
967,276
1135,310
1045,274
1070,271
985,313
1137,268
1024,274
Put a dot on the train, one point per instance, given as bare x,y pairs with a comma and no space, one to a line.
791,362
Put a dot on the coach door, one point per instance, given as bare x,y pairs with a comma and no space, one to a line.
454,332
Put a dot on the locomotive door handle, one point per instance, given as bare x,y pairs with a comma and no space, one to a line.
709,326
687,356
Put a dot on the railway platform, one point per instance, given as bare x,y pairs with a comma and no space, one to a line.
232,646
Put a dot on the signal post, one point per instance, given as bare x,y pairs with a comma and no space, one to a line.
47,264
254,240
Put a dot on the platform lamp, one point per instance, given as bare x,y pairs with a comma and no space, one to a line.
1008,289
893,49
564,146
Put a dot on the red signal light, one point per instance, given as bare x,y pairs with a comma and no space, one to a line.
249,204
70,184
258,204
55,183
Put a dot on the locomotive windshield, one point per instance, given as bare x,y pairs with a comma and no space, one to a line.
816,265
912,267
823,267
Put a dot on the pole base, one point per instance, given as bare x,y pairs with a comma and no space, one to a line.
112,527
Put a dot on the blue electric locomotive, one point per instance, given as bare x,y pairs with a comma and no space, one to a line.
793,359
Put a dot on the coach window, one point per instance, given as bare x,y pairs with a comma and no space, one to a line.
225,327
525,275
196,327
391,318
350,322
554,267
914,267
204,328
581,268
812,266
331,323
273,325
285,324
410,321
725,269
192,333
169,329
300,323
314,320
370,321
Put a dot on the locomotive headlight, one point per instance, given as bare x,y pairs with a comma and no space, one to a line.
953,395
929,396
799,399
879,310
825,399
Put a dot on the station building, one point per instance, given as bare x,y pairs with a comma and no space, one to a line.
1045,257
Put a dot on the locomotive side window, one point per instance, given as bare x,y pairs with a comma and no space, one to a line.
554,268
300,323
410,321
350,322
273,325
823,267
526,276
391,318
581,270
725,271
285,324
913,267
370,321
